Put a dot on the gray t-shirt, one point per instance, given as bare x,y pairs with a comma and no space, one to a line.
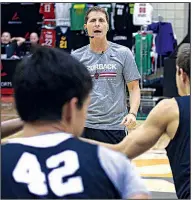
110,71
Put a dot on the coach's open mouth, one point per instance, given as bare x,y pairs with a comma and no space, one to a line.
97,31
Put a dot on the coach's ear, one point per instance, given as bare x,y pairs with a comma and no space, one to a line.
85,26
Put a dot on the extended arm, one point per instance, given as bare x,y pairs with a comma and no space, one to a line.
163,119
20,40
10,127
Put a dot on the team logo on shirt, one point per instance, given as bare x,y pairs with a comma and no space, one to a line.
102,67
96,75
103,70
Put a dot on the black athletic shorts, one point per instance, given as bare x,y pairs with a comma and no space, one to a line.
107,136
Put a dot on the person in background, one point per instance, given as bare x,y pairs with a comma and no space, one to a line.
31,44
172,118
52,94
34,38
11,44
112,67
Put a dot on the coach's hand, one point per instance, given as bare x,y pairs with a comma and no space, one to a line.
129,121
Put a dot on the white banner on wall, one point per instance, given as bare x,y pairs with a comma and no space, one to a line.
142,14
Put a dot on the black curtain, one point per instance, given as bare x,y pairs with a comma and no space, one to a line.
20,19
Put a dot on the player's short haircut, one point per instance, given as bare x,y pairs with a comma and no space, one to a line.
183,60
96,9
47,80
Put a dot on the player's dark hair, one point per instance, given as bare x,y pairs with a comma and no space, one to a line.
96,9
183,60
47,80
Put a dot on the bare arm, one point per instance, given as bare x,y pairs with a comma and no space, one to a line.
10,127
20,40
164,118
134,91
130,120
110,146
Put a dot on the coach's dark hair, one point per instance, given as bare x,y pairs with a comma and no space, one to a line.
183,60
96,9
47,80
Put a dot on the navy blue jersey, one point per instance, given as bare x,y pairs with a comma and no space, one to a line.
178,150
63,38
59,165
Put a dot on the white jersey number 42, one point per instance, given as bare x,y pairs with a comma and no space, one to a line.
28,171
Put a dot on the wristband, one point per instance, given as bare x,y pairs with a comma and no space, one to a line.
133,114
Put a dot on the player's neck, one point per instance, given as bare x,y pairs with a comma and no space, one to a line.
36,128
186,90
98,45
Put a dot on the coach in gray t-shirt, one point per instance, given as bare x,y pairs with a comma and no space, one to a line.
111,66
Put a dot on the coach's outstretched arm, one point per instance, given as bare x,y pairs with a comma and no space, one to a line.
10,127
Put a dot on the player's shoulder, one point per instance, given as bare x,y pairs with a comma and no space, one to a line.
40,141
165,110
5,148
57,140
9,156
80,51
167,104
